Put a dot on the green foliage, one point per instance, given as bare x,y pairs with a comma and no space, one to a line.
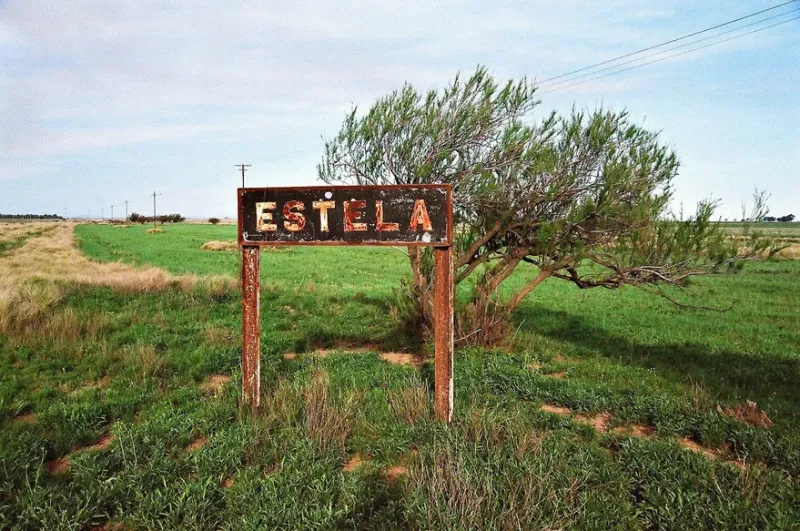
163,218
584,196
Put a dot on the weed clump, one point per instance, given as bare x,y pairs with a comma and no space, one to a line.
328,419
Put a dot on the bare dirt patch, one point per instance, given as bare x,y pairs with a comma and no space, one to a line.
214,383
27,418
394,472
196,444
693,446
226,483
599,422
639,431
57,466
558,410
352,463
560,375
748,413
395,358
103,443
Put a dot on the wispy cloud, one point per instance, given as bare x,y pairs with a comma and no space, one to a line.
86,78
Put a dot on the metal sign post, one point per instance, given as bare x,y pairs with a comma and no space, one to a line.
402,215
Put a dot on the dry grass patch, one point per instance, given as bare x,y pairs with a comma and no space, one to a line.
401,358
214,384
149,363
748,413
31,277
102,383
638,431
411,404
792,252
217,335
329,419
216,245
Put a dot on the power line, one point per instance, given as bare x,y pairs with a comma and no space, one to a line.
668,42
690,43
557,88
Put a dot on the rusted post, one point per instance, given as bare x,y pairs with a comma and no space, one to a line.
443,333
251,326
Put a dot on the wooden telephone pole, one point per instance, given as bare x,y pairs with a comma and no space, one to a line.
244,169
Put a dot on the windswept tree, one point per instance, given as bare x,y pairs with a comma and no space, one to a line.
582,198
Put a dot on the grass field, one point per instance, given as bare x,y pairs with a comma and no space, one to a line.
772,229
609,409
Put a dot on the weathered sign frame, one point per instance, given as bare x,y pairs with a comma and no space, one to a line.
443,285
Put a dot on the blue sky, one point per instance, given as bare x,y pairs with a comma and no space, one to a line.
107,101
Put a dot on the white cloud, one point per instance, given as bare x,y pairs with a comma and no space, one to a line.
83,77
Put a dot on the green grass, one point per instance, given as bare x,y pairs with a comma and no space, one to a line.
772,229
502,464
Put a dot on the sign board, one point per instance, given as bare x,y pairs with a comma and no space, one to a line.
347,215
403,215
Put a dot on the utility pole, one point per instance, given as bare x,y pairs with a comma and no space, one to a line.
154,209
126,210
243,167
102,214
112,212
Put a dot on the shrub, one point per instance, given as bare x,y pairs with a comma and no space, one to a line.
213,221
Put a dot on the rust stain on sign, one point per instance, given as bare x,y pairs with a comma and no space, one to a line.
346,215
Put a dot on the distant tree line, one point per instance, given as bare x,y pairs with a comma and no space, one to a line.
164,218
783,219
30,216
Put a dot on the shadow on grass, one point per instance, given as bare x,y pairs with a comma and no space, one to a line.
729,374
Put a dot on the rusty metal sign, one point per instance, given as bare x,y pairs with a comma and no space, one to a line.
346,215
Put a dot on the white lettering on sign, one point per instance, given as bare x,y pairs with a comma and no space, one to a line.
295,221
263,216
